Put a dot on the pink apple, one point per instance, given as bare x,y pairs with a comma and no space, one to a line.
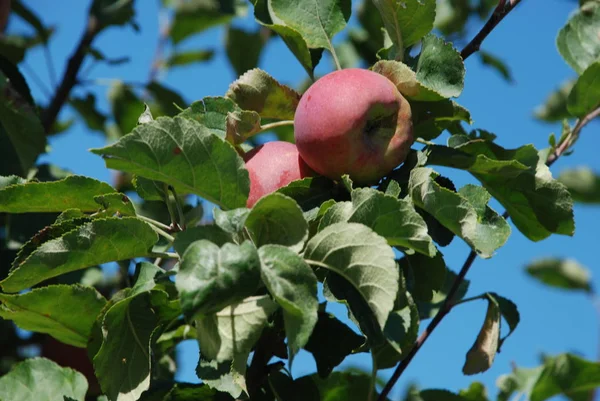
272,166
353,122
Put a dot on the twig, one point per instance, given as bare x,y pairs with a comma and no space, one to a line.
448,302
69,78
502,9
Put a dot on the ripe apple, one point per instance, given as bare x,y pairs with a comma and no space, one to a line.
353,122
272,166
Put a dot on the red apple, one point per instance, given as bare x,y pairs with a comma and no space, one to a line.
272,166
353,122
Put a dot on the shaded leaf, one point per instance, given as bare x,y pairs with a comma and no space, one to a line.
182,58
497,64
555,107
126,107
169,101
212,233
115,204
583,184
211,278
86,107
567,274
427,275
585,95
407,22
293,285
577,41
193,17
67,313
243,48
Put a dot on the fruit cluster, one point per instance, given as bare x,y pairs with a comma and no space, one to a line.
352,121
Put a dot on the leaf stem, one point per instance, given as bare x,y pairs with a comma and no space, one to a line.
502,9
447,305
168,236
163,255
179,208
154,222
276,124
373,377
338,66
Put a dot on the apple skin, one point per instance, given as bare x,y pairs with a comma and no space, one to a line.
354,122
272,166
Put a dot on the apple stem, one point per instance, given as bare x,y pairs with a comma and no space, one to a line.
335,57
276,124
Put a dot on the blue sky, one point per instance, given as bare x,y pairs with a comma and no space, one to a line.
551,321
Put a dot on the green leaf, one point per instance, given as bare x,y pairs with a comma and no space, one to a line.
112,12
497,64
438,395
243,48
564,374
577,41
169,101
430,119
308,58
585,95
258,91
406,81
440,67
73,192
182,58
394,219
363,259
509,312
277,219
481,355
38,379
466,214
231,221
67,313
226,377
115,204
212,112
193,17
567,274
427,275
22,136
583,184
86,108
241,125
331,342
122,364
211,233
234,330
99,241
475,392
347,386
211,278
429,309
184,154
310,192
555,107
317,21
293,285
406,22
126,107
519,179
149,190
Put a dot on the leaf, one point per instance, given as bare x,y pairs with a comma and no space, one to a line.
583,184
115,204
182,58
427,275
231,221
193,17
112,12
310,192
73,192
519,179
555,107
234,330
438,395
212,233
497,64
258,91
308,58
184,154
293,285
585,95
67,313
122,364
577,41
226,377
22,136
440,67
126,107
331,342
212,112
169,101
86,108
317,21
509,312
430,309
406,22
567,274
564,374
394,219
466,214
277,219
406,80
243,48
211,278
363,259
241,126
430,119
99,241
37,378
475,392
481,355
347,386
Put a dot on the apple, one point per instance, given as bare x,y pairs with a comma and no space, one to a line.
272,166
354,122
